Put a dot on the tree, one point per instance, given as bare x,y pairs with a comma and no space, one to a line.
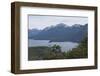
56,48
80,52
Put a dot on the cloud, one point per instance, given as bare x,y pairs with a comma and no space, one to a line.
42,21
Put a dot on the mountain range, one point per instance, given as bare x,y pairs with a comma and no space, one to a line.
60,33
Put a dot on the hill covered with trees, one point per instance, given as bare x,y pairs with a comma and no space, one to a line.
60,32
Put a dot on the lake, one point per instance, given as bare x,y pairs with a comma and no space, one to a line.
65,46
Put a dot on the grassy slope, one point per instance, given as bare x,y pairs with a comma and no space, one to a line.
37,53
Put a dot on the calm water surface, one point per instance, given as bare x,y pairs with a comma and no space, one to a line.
65,46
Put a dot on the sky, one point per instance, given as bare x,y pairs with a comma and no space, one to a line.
42,21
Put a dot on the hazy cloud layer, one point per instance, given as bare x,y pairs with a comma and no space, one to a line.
40,21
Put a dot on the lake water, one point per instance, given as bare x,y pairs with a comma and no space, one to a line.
65,46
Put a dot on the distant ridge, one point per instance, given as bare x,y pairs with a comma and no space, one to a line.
59,33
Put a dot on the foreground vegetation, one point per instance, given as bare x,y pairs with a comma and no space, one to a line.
54,52
80,52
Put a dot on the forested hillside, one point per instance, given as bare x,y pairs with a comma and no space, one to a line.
61,32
